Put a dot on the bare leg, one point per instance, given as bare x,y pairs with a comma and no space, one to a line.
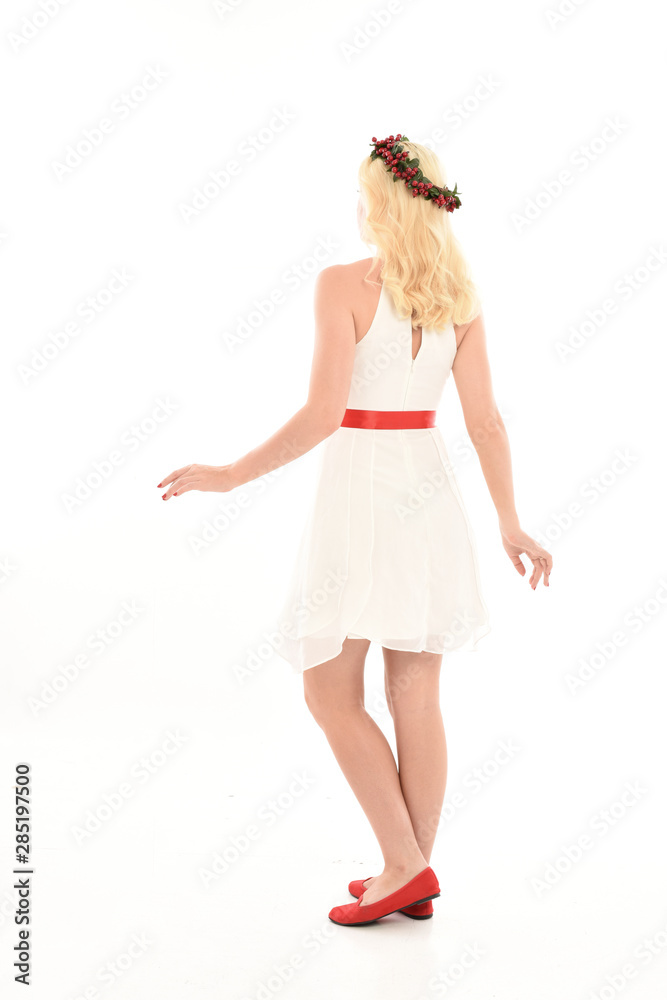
334,693
412,689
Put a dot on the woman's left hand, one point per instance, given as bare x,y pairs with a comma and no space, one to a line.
515,542
207,478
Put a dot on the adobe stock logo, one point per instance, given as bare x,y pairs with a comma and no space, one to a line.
366,32
623,290
599,826
592,491
579,161
220,179
88,309
97,642
268,814
95,136
140,773
562,11
634,621
292,278
32,24
130,441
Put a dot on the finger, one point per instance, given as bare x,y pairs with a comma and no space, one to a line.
182,486
179,485
543,571
518,565
547,559
541,557
171,490
536,574
172,475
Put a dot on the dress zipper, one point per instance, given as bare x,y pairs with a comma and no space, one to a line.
407,384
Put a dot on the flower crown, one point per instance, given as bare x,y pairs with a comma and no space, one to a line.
394,154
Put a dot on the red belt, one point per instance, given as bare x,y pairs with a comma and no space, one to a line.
389,419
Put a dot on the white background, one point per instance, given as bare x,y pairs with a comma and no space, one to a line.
509,95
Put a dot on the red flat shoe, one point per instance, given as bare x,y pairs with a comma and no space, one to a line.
421,911
419,889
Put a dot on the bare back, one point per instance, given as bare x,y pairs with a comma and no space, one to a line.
364,296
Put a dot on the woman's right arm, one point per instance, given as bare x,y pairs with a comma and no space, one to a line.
328,391
321,414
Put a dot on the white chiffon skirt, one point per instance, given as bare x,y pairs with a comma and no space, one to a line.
387,553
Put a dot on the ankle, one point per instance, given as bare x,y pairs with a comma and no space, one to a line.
403,867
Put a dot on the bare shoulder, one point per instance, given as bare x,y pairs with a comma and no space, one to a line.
341,288
332,289
340,274
330,275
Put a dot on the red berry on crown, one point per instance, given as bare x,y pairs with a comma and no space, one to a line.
392,153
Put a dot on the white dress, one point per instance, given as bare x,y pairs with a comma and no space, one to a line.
387,552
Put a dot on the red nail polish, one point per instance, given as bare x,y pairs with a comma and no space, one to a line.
159,485
164,496
175,494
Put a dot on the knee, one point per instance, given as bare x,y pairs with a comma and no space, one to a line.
315,705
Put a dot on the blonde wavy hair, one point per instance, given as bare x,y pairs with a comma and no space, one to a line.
423,265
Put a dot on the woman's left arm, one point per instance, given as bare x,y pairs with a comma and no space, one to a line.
320,416
472,374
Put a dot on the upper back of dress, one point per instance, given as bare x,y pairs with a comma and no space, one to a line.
385,375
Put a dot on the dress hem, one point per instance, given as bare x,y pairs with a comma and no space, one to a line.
468,646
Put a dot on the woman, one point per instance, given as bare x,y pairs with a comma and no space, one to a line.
388,554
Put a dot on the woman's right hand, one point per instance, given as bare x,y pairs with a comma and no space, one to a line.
516,542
